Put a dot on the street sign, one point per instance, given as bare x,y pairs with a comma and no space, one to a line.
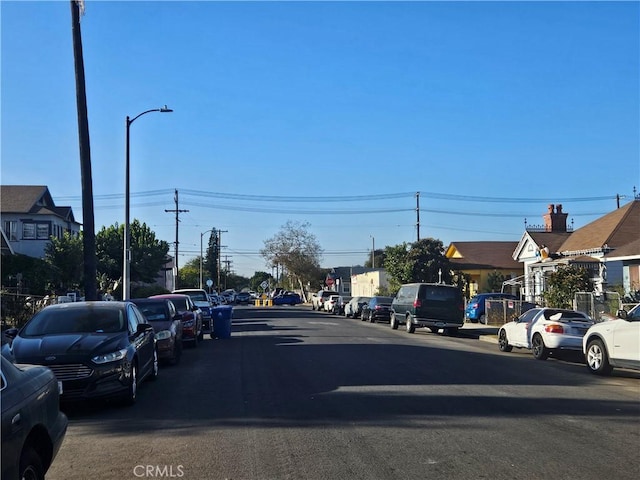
264,284
209,283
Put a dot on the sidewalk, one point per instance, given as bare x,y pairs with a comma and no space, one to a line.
486,333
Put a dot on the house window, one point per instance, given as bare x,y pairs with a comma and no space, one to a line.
29,231
35,231
11,230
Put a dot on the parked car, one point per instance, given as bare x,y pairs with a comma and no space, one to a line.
191,317
613,343
96,349
433,305
476,308
545,331
167,325
33,427
318,299
243,297
201,300
287,298
354,306
378,308
333,304
215,299
229,296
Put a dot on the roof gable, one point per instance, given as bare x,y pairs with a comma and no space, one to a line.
24,198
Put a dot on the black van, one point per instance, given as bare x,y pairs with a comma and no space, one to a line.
432,305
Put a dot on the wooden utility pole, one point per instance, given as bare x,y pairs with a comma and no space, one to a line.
418,214
177,211
88,224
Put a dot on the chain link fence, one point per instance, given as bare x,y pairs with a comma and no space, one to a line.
501,311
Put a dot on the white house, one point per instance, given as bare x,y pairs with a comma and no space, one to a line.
29,217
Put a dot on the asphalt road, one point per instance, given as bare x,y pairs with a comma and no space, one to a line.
296,394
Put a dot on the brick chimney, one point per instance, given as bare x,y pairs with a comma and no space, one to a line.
554,220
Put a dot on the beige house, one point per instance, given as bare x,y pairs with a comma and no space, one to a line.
367,284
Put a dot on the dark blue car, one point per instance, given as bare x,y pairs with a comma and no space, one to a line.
287,298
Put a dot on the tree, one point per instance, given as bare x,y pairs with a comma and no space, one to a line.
562,285
210,260
421,261
379,257
65,258
258,278
189,274
148,254
295,249
494,281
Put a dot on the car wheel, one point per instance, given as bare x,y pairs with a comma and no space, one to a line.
483,319
540,352
201,334
503,343
393,322
597,358
154,366
30,465
410,327
131,395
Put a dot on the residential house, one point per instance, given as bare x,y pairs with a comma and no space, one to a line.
608,247
367,283
29,217
480,260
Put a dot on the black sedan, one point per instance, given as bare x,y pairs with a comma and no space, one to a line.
96,349
33,426
378,308
167,325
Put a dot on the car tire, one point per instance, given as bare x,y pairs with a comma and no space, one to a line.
30,464
597,358
540,352
372,318
503,343
409,326
201,335
131,395
393,322
483,319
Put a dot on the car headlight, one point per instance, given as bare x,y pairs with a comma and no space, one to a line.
110,357
163,335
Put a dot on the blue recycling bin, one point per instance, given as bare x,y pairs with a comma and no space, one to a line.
222,321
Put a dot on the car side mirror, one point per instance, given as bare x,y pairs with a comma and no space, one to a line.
11,333
622,314
144,327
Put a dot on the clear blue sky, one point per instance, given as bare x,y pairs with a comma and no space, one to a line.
313,111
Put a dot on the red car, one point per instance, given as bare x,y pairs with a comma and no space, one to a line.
192,331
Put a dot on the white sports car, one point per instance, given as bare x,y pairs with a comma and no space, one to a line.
614,343
545,330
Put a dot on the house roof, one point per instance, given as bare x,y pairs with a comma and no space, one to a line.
631,249
616,229
553,240
483,255
31,199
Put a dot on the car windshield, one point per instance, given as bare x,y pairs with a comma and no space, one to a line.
198,296
155,312
76,320
180,303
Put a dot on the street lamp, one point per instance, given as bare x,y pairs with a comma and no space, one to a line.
201,235
126,269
